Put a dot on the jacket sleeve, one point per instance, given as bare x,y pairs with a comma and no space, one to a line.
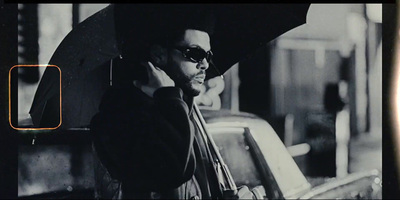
147,147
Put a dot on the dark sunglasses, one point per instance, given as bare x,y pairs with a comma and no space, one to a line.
195,54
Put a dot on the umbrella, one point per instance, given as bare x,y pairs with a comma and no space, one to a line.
86,53
82,57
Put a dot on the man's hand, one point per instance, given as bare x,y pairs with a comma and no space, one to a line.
157,79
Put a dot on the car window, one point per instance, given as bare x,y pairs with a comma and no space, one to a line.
264,153
235,152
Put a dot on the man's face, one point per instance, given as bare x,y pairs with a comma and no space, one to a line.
187,74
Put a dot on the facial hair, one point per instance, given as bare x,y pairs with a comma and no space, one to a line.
183,81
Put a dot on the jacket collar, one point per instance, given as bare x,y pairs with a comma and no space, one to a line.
190,102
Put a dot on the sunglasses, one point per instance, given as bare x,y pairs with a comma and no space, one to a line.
195,54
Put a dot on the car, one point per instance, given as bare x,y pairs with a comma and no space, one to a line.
256,157
58,164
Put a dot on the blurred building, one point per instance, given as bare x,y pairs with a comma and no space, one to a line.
285,83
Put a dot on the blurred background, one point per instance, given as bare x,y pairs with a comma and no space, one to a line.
319,86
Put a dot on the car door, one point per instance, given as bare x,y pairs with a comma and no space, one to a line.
256,156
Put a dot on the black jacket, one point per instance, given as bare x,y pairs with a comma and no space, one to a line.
150,146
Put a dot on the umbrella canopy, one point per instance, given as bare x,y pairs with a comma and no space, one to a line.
243,29
83,57
85,53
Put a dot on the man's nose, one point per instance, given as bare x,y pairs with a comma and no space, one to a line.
204,64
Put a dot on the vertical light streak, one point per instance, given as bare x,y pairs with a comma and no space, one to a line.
395,94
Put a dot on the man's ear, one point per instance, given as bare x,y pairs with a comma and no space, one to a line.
158,55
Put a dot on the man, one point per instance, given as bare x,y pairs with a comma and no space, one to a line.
144,135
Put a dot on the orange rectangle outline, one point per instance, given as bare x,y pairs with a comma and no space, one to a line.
9,97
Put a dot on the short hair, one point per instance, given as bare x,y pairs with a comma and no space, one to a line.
139,26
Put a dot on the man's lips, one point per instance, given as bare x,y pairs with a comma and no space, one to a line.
200,78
